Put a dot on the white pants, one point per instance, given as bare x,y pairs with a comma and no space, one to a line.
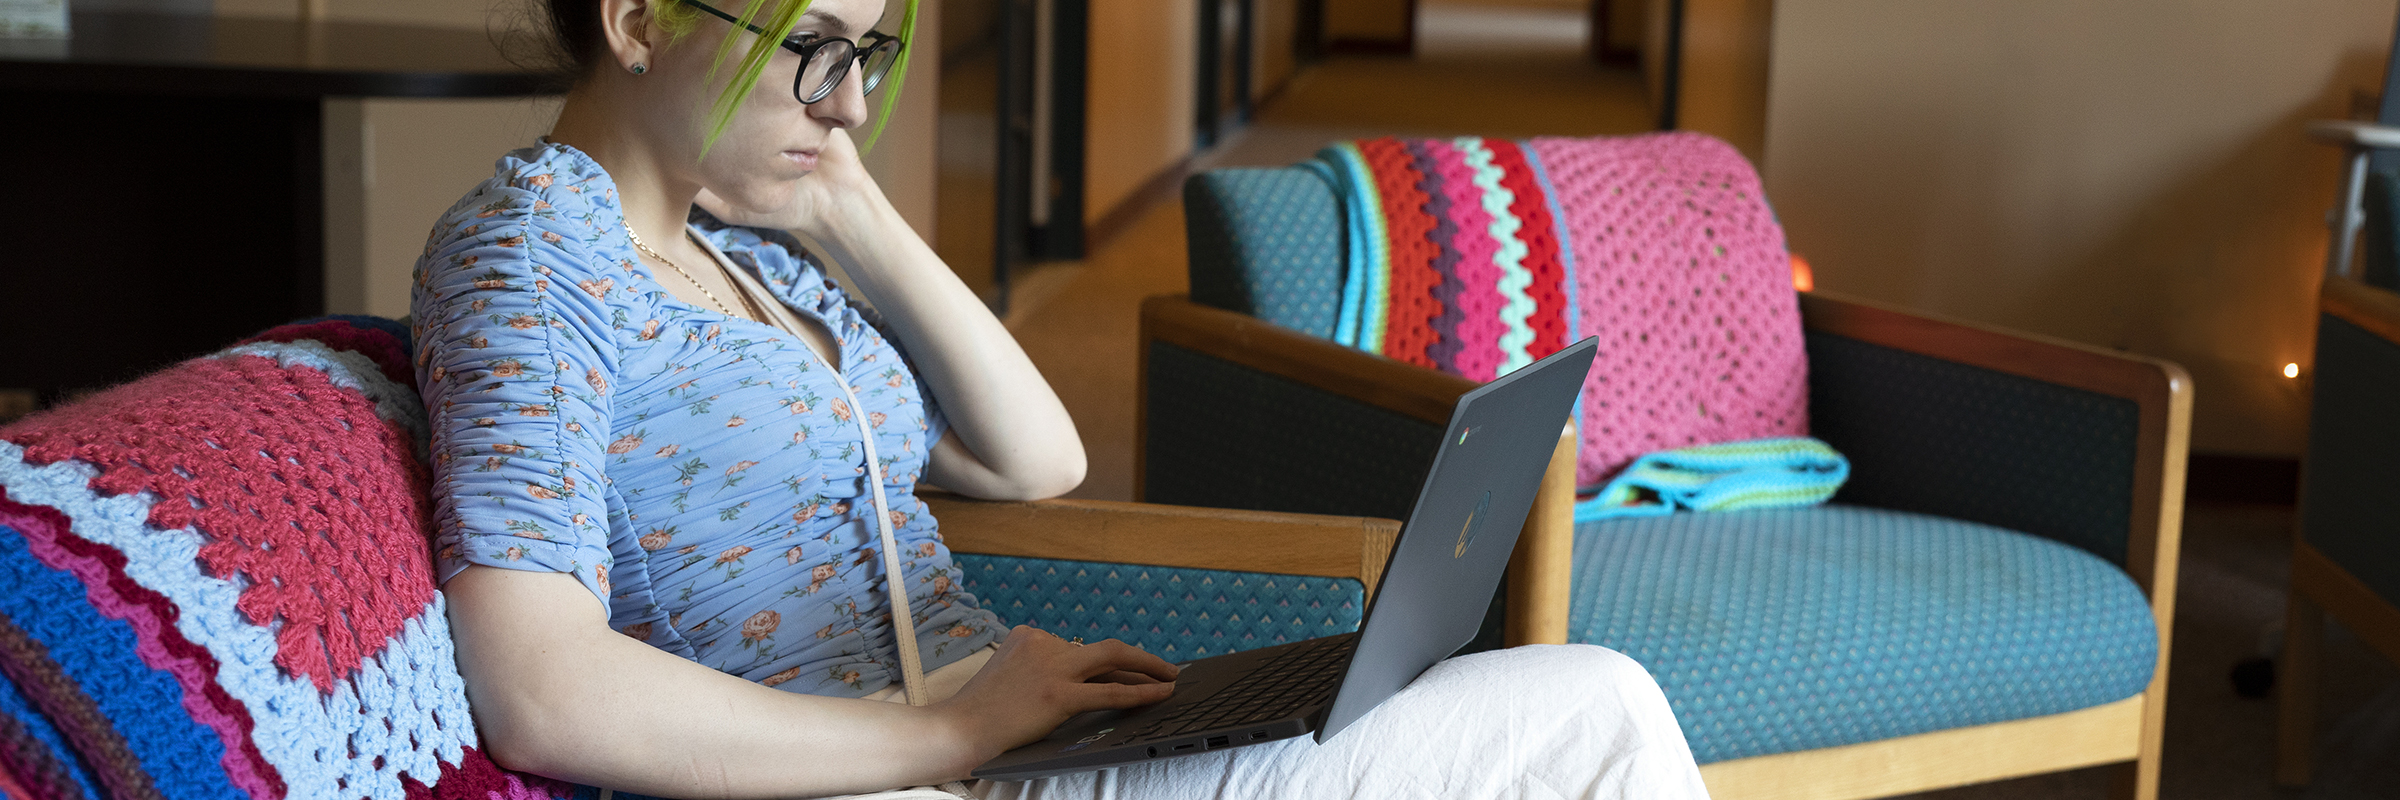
1540,722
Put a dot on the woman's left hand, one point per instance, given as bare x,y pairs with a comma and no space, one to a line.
840,176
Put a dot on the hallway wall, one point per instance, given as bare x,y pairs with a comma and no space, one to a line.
2130,174
409,159
1139,95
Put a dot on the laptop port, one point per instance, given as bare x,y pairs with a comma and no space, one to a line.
1186,746
1154,752
1257,735
1215,742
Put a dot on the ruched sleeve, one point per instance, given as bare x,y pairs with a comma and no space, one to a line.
516,355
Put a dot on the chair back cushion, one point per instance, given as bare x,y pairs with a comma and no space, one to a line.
214,582
1662,245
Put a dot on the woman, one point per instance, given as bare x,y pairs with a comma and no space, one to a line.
660,452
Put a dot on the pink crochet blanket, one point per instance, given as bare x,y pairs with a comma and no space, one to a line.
1477,256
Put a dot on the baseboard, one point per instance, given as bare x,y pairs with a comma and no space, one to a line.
1371,47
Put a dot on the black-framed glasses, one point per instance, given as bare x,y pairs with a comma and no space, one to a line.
826,60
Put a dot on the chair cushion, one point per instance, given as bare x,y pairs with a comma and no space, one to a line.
1180,614
1794,629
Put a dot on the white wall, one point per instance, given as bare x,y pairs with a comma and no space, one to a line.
2131,174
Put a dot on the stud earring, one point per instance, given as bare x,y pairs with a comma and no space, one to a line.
639,69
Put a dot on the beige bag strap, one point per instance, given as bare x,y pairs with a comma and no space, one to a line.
904,628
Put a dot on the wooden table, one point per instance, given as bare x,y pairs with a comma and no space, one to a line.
164,187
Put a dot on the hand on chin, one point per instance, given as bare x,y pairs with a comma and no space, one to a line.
801,205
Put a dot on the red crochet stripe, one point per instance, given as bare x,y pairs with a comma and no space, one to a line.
1539,233
295,483
374,344
1408,326
50,537
476,777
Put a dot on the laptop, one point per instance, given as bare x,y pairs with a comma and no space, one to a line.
1435,590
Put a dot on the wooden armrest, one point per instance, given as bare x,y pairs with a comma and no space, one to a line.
2375,310
2352,133
1169,536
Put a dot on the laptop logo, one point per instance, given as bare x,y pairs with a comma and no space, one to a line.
1474,526
1088,740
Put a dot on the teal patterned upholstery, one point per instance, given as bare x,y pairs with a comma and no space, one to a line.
1267,243
1793,629
1940,437
1180,614
2350,492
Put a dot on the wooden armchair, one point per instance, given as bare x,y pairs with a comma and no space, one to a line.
2344,562
1048,563
2004,486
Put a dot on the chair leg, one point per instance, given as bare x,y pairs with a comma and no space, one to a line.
2296,705
2139,780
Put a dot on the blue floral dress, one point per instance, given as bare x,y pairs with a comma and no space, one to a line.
702,474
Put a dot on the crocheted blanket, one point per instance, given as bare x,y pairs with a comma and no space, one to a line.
214,583
1759,473
1477,256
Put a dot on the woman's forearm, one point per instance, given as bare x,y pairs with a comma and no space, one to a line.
558,694
1023,444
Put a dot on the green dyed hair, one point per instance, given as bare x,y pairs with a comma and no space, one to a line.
679,19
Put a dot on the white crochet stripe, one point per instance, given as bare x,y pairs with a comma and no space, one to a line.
351,370
413,684
1510,257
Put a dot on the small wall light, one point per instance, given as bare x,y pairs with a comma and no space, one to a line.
2291,370
1803,278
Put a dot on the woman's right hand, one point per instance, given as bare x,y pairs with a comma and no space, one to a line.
1035,681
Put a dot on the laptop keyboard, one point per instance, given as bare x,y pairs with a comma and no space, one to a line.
1297,678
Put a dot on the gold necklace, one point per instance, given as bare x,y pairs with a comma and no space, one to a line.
696,284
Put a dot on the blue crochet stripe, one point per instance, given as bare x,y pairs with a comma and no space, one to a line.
182,757
1180,614
14,704
1364,263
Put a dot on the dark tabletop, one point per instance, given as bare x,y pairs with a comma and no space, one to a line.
191,55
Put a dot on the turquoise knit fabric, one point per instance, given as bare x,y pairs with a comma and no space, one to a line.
1730,476
1793,629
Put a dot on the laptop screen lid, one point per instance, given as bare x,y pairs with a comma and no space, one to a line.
1456,543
